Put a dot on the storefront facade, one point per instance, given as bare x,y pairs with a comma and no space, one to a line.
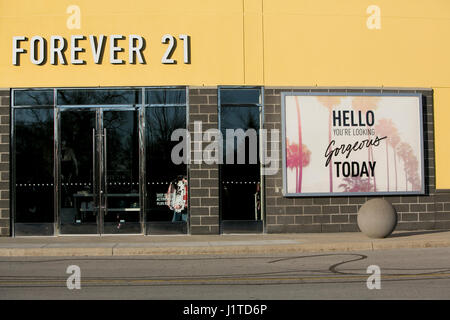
109,128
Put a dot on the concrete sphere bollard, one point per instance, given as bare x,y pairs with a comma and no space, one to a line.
377,218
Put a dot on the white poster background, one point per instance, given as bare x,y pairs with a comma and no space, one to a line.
405,113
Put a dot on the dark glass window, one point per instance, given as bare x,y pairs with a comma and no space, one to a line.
167,198
161,171
77,153
239,96
122,171
240,178
98,96
33,97
166,96
34,167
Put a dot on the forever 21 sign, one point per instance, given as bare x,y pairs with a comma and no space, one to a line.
56,48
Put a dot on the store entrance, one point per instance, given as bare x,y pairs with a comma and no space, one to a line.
99,186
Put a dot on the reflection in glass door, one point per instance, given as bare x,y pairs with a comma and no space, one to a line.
122,212
99,171
240,182
78,205
97,161
240,174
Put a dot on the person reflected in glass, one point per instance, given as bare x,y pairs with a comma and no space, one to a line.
69,169
176,198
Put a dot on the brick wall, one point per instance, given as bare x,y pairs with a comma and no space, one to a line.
4,163
203,178
338,214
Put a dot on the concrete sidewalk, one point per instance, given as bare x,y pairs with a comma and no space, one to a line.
217,244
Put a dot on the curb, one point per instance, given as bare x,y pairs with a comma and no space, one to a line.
218,249
55,252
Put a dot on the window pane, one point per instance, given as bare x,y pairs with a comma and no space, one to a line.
98,96
240,171
34,165
164,177
33,97
239,96
245,119
122,171
166,96
77,214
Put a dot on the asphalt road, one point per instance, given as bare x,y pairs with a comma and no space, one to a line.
405,274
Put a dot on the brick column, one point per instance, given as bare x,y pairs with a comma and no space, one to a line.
283,215
203,178
5,217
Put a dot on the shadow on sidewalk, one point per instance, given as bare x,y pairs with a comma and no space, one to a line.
414,233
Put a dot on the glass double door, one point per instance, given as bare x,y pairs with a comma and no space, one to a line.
99,186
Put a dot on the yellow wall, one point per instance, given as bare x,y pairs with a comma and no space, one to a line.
243,42
215,28
249,42
327,43
442,136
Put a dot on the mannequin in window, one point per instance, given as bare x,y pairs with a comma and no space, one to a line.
176,198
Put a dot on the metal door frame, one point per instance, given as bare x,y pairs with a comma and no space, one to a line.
262,151
99,161
140,107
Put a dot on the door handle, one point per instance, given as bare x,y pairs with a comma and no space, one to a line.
93,163
94,181
105,156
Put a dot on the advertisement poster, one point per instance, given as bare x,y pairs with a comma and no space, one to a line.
340,144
